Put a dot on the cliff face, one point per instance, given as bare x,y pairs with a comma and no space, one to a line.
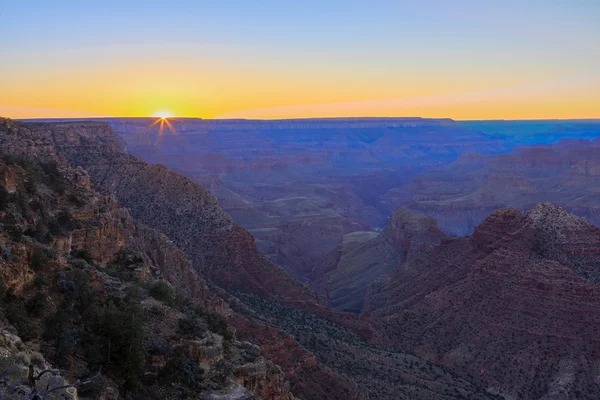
515,304
106,231
412,233
72,260
170,203
362,257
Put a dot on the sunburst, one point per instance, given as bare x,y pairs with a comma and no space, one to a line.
162,118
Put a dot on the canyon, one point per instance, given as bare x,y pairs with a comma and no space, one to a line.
379,308
259,301
300,186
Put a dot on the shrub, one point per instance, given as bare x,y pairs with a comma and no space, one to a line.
15,232
160,347
23,358
36,305
4,198
25,328
83,254
38,259
53,176
224,369
62,223
82,295
120,324
192,326
183,370
37,359
3,288
39,281
218,324
162,291
60,333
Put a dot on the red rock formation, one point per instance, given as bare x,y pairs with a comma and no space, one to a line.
516,304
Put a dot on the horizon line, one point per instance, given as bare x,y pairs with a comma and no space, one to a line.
305,118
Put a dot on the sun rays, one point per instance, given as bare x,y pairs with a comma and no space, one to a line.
163,120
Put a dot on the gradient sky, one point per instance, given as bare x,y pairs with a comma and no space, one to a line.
301,58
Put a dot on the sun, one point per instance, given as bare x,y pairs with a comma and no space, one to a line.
163,114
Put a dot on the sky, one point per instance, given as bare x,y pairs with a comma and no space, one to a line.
300,58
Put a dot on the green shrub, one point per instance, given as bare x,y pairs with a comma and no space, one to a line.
52,176
59,332
183,370
62,223
215,322
162,291
37,359
83,254
224,369
192,326
36,305
39,281
39,260
82,297
15,232
3,288
26,329
115,338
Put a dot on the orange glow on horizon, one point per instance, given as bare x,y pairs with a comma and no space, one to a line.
218,91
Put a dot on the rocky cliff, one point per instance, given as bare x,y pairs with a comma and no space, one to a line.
515,304
92,288
170,203
362,257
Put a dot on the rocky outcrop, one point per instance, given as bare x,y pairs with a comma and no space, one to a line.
412,233
18,363
515,304
362,257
